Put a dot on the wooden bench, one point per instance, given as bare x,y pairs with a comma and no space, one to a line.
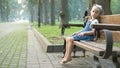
109,31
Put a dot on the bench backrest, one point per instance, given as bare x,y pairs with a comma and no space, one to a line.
111,19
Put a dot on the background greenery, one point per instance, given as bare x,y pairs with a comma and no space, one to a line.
10,10
15,10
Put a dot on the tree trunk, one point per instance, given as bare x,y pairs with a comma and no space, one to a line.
39,18
31,13
3,16
45,16
4,10
7,12
0,9
106,4
41,12
52,13
91,2
64,13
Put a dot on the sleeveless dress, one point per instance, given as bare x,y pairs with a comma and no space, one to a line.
86,28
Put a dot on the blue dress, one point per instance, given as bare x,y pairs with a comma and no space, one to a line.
85,37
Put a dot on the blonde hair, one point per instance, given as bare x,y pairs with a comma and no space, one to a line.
99,7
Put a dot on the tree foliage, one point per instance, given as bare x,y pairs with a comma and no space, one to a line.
115,6
10,10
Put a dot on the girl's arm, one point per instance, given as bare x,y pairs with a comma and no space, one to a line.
87,32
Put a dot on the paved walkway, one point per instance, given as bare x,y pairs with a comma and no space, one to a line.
13,45
5,28
14,53
37,58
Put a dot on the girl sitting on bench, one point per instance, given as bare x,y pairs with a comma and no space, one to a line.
86,34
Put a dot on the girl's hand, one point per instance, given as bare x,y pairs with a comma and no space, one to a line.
81,34
75,33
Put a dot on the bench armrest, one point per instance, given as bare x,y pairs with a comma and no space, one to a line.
109,44
108,36
107,26
77,25
68,25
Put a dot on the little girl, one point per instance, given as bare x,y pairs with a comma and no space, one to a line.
85,34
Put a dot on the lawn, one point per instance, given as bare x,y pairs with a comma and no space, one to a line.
53,33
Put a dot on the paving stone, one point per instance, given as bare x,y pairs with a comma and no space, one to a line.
33,66
36,56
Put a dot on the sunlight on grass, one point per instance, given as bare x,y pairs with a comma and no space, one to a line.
53,33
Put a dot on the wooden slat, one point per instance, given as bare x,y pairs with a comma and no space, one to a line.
115,35
112,22
92,49
110,19
100,45
107,26
96,48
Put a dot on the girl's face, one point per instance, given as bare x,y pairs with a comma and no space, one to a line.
95,12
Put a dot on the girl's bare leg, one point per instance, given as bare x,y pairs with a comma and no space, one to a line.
68,52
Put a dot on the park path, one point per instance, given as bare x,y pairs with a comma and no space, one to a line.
20,49
37,58
5,28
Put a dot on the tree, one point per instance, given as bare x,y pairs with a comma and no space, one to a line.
115,5
45,14
4,10
77,9
39,14
52,13
64,13
106,4
32,5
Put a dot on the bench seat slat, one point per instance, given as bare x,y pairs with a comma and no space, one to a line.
94,47
100,45
94,50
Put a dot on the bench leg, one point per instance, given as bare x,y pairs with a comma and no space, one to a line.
97,62
64,47
74,51
115,61
84,53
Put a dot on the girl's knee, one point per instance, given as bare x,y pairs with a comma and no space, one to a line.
69,39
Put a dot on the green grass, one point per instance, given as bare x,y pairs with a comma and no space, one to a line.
104,42
53,33
116,44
